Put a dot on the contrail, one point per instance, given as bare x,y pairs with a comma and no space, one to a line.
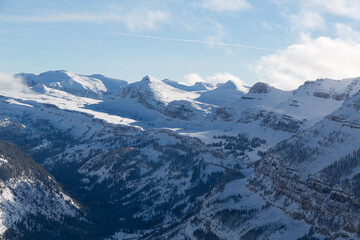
194,41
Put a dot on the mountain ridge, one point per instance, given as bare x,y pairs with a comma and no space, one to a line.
260,163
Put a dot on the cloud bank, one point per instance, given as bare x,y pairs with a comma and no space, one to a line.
215,79
9,83
321,57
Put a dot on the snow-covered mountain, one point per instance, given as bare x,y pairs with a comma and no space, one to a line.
159,160
314,175
198,86
151,91
157,97
81,85
224,93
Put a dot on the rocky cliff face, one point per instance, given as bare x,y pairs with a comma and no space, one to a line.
331,210
272,119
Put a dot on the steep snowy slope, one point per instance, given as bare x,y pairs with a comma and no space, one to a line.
27,193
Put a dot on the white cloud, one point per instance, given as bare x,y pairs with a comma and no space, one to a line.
226,5
307,20
222,78
345,8
141,19
192,78
346,32
317,14
145,20
322,57
9,83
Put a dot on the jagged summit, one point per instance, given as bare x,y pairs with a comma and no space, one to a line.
149,78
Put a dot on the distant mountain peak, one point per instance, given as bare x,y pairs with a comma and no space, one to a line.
228,85
150,89
82,85
232,85
198,86
150,78
260,87
204,85
224,93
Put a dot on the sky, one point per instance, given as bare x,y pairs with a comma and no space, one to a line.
281,42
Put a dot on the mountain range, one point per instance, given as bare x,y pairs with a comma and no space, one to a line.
92,157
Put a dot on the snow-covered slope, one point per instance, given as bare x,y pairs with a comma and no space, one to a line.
224,93
27,193
288,110
112,84
152,89
81,85
328,88
198,86
157,97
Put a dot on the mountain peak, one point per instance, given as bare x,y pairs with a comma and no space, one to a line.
149,78
260,87
82,85
224,93
232,85
203,85
227,85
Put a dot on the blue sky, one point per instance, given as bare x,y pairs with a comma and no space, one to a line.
292,41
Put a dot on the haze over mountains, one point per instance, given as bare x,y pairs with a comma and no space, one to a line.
156,159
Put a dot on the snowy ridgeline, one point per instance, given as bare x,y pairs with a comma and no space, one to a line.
161,160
